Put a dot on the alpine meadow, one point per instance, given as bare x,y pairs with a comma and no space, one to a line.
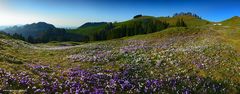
119,47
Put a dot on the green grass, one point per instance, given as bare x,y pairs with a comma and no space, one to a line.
88,31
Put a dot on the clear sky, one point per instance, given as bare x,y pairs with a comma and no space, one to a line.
73,13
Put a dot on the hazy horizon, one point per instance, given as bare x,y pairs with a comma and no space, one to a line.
73,13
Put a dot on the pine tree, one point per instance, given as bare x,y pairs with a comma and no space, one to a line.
18,36
180,23
183,23
30,39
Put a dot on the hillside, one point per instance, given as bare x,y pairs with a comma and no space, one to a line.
188,19
119,47
193,60
142,22
232,21
89,29
42,32
143,55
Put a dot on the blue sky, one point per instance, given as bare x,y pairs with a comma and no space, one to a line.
73,13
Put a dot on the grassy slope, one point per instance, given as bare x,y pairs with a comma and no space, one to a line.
234,21
180,50
88,30
3,36
85,30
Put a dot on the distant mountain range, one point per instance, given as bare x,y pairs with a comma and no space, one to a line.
35,30
4,27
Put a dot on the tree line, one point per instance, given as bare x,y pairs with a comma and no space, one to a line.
187,14
135,28
52,35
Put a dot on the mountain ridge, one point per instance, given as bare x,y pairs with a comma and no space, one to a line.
34,29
